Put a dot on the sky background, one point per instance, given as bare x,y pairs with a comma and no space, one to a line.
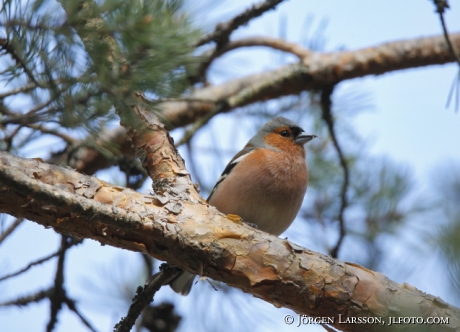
409,123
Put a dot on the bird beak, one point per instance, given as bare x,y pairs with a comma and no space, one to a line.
304,138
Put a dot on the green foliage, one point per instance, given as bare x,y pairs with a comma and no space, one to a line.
447,239
71,62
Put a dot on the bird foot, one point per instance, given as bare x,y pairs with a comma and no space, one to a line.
251,224
239,220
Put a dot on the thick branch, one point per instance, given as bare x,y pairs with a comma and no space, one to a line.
291,79
89,160
194,236
317,71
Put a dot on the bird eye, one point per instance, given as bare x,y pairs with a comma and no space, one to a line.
284,133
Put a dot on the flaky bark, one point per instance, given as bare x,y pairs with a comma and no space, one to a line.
316,71
195,236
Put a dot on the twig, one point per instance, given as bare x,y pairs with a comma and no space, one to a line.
10,230
223,30
192,165
39,261
24,88
275,43
71,305
221,107
241,98
144,295
25,300
327,117
29,25
175,100
441,5
454,89
4,45
58,296
40,127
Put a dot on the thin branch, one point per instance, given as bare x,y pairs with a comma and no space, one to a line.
328,118
25,300
154,102
41,260
454,88
4,45
441,6
192,165
144,295
59,294
10,230
27,24
37,262
40,127
71,305
275,43
278,44
21,89
200,123
223,30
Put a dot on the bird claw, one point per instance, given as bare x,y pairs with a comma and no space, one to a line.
251,224
239,220
235,218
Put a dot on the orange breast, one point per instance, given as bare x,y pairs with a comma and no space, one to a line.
266,189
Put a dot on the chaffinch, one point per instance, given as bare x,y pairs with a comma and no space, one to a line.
264,183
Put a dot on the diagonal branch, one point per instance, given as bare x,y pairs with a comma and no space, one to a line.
223,30
274,43
320,70
144,296
72,306
441,5
10,230
58,296
31,264
25,300
195,237
316,72
9,49
326,104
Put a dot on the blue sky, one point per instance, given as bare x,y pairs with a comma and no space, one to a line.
409,124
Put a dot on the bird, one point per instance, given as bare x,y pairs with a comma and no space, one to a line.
264,183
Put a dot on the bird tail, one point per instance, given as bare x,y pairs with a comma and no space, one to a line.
183,283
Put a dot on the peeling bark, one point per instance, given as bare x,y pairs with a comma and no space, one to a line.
316,71
196,237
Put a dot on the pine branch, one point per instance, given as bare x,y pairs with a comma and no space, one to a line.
31,264
26,300
317,71
144,296
195,237
441,6
326,107
10,230
274,43
223,30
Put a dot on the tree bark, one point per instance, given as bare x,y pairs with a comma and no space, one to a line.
316,71
190,234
